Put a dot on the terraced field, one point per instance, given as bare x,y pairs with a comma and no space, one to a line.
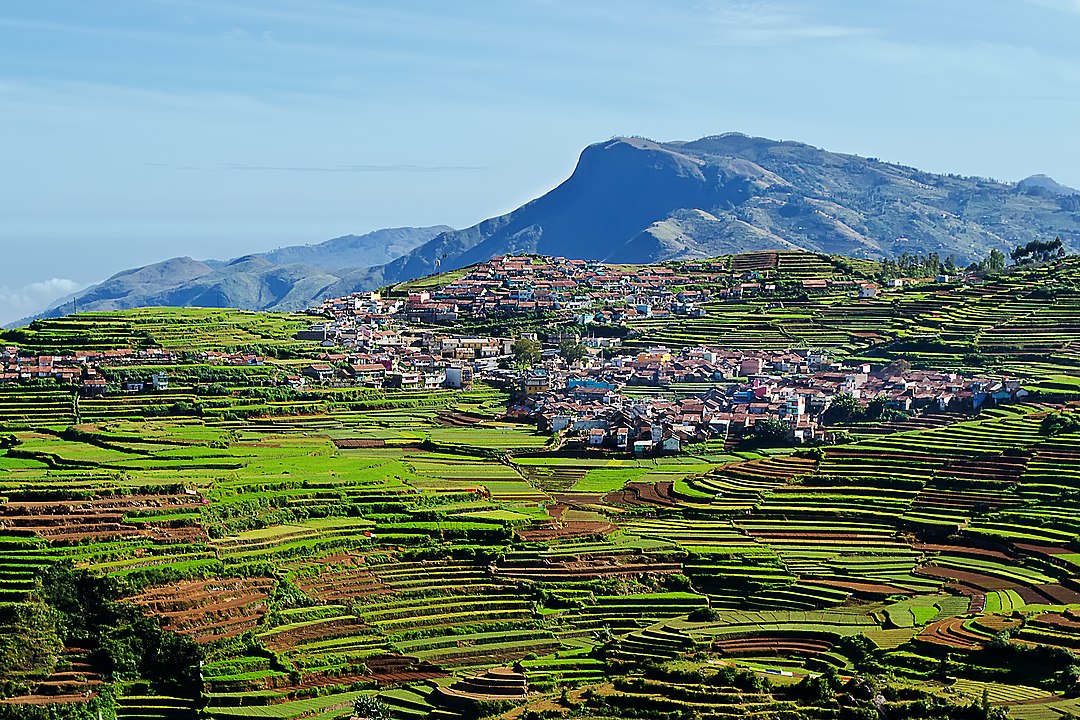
411,551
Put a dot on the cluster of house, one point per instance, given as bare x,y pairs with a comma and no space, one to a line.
590,292
385,371
234,359
528,284
400,358
509,284
80,369
795,388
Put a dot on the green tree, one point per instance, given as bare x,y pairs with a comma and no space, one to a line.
994,262
1039,251
571,350
843,408
1058,423
526,352
770,432
370,707
30,640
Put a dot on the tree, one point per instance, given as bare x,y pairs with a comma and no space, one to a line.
1058,423
526,352
899,366
1039,251
876,408
31,640
994,262
843,408
370,707
770,432
820,689
571,350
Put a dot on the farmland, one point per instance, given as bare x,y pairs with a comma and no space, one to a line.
270,557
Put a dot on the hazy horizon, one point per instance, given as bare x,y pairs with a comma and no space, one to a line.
139,131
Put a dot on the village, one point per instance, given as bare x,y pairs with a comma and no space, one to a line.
601,397
585,291
625,403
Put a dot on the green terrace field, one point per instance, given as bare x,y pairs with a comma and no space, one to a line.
232,555
189,329
1023,324
308,570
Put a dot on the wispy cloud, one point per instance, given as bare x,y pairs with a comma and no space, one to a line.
355,168
768,22
32,298
1067,6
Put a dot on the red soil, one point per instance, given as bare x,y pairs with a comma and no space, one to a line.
208,610
574,529
772,645
639,493
951,632
975,580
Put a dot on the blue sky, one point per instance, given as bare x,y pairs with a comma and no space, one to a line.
136,130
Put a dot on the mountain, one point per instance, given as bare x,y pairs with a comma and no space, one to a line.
632,200
635,200
286,278
1047,184
352,251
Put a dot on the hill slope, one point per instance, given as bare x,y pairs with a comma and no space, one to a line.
288,277
635,200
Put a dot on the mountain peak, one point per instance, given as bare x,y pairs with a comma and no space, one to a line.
631,199
1047,184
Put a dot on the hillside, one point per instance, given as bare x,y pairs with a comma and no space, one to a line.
287,278
633,200
232,546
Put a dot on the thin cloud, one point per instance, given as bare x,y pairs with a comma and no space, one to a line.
762,23
355,168
36,296
1067,6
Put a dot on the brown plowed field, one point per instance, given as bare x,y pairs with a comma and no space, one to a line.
951,632
354,443
342,577
574,529
286,639
584,570
451,418
101,519
975,580
385,670
772,645
963,550
208,609
639,493
1048,595
867,590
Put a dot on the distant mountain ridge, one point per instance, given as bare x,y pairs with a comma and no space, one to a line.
634,200
1047,184
288,277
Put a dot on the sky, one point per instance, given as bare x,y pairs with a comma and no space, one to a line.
132,131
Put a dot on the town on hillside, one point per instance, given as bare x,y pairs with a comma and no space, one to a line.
576,386
581,384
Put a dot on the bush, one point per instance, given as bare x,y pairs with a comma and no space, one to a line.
1059,423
